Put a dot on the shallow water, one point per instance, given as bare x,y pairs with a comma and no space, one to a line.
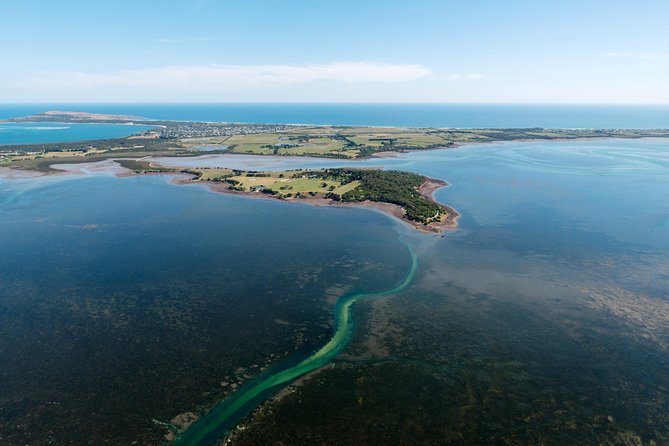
618,187
555,285
127,299
570,234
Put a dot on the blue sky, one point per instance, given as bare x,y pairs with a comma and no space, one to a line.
345,51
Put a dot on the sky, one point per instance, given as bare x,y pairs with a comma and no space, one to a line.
512,51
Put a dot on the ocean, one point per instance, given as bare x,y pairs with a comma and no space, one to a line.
54,132
403,115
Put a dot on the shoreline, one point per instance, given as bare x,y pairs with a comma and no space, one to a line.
426,189
449,217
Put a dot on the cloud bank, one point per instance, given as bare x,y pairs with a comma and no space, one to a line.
221,77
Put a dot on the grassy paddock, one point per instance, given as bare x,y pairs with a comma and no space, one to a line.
318,141
288,184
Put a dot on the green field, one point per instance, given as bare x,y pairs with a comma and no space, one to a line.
355,142
318,141
346,185
289,184
327,141
214,174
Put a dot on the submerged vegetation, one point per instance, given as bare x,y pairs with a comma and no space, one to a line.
184,298
474,352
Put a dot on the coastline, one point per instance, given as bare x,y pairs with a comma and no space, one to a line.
427,190
110,165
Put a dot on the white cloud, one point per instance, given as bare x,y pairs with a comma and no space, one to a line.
224,77
463,77
644,56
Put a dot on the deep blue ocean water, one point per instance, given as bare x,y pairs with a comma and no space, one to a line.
407,115
47,132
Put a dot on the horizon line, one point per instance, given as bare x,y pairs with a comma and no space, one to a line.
661,104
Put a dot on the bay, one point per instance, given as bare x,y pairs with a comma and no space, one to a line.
548,304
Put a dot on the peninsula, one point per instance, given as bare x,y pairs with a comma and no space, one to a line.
189,138
405,195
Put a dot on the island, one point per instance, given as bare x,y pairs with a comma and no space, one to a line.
77,117
405,195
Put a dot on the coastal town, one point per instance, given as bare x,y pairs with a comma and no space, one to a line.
184,138
159,133
188,129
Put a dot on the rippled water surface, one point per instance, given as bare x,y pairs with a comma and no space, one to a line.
544,317
546,314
